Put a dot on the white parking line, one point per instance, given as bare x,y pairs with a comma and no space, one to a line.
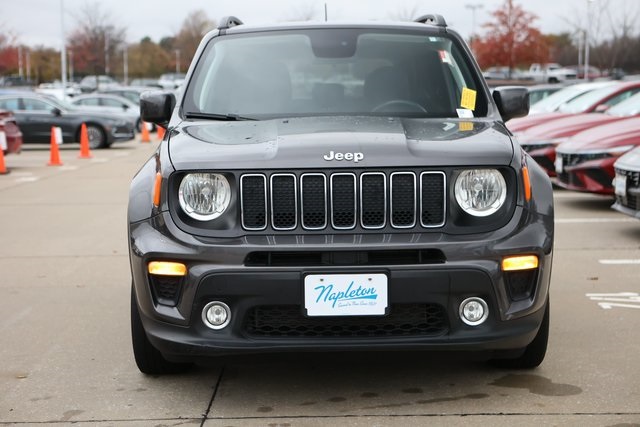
592,220
99,160
27,179
619,261
609,301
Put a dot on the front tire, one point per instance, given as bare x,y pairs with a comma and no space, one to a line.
97,137
149,360
534,353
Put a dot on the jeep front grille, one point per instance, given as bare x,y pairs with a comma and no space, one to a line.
342,200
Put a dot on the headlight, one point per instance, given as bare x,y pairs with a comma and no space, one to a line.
480,192
204,196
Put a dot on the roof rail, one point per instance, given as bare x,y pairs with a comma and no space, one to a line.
432,19
228,22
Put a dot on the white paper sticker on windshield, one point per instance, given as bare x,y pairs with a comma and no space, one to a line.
463,113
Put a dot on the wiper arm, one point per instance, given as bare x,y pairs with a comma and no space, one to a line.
212,116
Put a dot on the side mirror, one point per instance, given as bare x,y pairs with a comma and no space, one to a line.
157,107
56,112
512,101
602,108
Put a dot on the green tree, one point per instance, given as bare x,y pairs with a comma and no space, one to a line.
147,59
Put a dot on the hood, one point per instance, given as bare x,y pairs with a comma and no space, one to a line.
524,123
616,134
320,142
566,127
630,161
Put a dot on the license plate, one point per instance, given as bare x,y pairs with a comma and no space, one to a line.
559,165
621,185
345,294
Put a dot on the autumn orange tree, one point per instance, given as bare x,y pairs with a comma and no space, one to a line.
511,39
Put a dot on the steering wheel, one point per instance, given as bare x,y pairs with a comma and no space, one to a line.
399,103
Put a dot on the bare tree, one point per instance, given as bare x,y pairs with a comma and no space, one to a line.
304,12
612,26
96,40
405,13
194,27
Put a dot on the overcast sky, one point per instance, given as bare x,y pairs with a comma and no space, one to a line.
37,22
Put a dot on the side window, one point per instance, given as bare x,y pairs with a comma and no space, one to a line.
621,97
9,104
88,101
36,105
111,103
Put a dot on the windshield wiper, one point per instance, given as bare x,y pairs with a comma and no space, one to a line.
212,116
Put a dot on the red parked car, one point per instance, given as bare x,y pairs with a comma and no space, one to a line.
541,141
12,134
579,98
585,161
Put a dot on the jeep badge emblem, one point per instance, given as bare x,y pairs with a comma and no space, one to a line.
356,157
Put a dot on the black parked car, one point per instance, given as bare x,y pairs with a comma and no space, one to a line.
36,114
335,186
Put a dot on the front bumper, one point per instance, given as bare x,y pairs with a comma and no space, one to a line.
218,271
122,133
594,176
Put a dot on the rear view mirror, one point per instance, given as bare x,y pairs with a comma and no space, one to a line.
157,107
512,101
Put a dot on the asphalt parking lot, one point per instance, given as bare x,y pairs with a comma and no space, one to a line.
66,354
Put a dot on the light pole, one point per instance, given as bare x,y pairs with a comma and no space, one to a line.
125,63
63,53
587,41
473,8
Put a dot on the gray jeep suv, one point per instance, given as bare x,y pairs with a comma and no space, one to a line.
332,187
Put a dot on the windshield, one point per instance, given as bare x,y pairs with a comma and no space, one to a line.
586,101
552,102
630,107
333,72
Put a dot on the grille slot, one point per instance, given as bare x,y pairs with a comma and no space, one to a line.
313,190
403,199
402,320
343,201
432,199
284,207
373,200
253,198
336,258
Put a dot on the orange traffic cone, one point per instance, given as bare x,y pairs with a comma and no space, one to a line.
85,152
3,167
160,132
54,159
145,133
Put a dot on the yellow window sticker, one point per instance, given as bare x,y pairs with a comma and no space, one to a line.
468,100
465,126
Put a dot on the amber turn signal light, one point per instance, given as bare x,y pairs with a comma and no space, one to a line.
165,268
516,263
157,187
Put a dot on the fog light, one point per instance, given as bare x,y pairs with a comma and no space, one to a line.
216,315
474,311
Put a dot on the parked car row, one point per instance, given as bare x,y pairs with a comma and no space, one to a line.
35,115
582,142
